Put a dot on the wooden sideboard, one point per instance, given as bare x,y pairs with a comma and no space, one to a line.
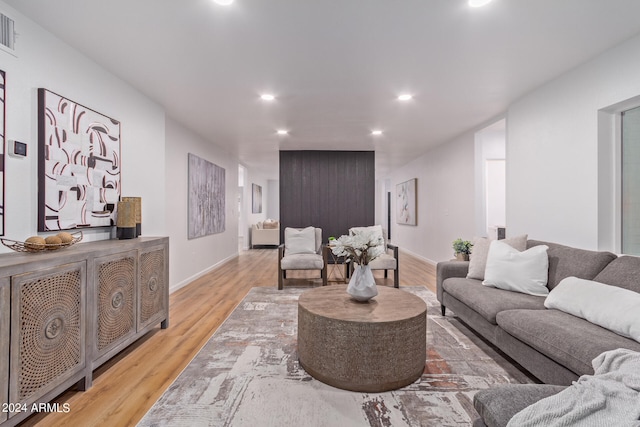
64,313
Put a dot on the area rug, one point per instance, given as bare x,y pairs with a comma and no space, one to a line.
248,375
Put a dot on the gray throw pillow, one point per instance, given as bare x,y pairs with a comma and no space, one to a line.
480,250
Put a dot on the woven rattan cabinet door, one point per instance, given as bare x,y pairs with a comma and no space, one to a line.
153,287
48,330
115,300
5,307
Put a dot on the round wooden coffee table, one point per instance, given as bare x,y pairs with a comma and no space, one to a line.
372,347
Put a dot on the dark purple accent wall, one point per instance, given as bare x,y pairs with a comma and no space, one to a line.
333,190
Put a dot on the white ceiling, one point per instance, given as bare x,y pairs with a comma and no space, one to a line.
335,66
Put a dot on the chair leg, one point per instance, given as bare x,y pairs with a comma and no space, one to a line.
386,273
281,273
443,309
396,277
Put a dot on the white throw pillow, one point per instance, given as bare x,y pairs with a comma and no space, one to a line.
299,241
480,250
512,270
611,307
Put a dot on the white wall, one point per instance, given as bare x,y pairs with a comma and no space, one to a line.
253,218
445,200
273,199
561,173
242,214
553,150
44,61
154,150
192,258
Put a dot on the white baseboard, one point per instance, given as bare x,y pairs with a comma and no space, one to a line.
188,280
430,261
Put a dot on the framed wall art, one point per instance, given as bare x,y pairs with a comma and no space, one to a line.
206,199
256,198
406,207
78,165
2,145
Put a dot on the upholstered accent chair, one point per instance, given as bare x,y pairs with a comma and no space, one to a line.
301,250
388,260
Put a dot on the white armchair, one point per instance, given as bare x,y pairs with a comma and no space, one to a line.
301,250
388,260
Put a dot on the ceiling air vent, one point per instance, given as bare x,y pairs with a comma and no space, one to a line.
7,34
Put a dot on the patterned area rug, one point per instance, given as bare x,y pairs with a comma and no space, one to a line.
248,375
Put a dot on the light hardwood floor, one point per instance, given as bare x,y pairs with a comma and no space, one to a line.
127,386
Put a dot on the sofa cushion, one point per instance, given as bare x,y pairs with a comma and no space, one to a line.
383,262
622,272
565,261
270,224
480,251
488,302
302,262
569,340
497,405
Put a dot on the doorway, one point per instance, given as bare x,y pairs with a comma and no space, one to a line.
490,189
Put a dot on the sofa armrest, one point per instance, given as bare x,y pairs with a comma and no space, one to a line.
497,405
447,269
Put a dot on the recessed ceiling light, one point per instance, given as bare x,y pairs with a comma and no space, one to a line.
376,132
478,3
223,2
267,97
405,97
283,132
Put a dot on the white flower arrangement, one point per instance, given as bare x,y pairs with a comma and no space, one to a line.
361,247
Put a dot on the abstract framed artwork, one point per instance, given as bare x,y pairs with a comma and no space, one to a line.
206,199
78,165
406,207
256,198
2,145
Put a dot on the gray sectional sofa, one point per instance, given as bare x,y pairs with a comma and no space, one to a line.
496,406
554,346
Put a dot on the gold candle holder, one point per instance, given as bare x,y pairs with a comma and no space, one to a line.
126,220
138,208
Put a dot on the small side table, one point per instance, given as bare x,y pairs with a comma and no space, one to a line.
339,268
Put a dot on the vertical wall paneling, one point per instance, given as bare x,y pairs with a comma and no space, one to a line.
333,190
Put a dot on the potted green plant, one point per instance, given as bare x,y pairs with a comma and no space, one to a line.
462,249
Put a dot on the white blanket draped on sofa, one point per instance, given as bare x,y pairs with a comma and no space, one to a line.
610,397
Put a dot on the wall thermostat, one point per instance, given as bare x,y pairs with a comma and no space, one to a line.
17,148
